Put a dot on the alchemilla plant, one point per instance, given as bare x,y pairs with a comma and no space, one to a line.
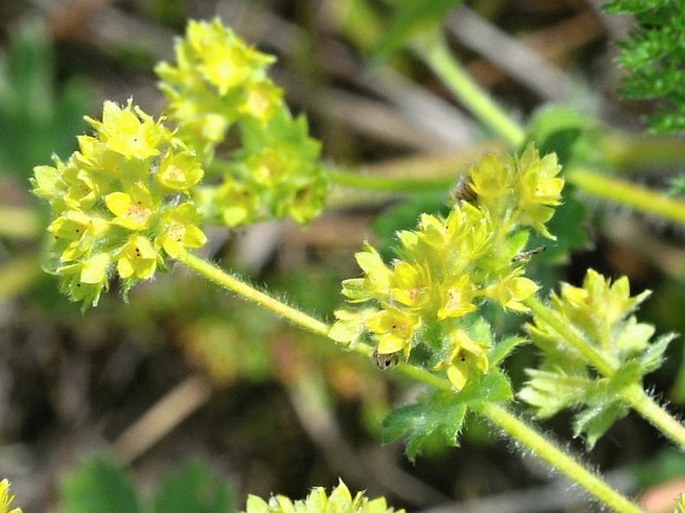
139,193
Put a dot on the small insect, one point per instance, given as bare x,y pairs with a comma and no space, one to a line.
524,256
386,361
463,191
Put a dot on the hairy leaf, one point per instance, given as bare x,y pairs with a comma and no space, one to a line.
441,413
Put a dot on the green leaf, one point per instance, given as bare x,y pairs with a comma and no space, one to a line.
194,490
36,120
412,16
439,413
99,486
504,348
491,387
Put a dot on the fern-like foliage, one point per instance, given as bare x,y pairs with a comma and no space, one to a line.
654,56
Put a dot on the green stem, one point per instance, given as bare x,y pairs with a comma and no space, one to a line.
433,50
392,184
557,458
623,150
655,414
230,282
626,193
498,415
574,338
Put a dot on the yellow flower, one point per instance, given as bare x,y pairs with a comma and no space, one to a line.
459,298
468,358
179,171
129,131
6,499
132,210
340,500
490,178
393,330
179,232
512,291
137,258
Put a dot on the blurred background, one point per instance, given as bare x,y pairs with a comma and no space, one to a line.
185,384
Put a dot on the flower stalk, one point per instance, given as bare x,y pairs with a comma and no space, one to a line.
498,415
433,50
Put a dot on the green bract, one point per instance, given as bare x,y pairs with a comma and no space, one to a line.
218,85
120,204
601,312
339,501
448,267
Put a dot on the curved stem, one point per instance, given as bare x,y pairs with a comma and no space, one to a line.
626,193
434,52
557,458
655,414
216,275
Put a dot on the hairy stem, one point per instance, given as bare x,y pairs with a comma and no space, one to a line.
557,458
227,281
628,194
635,395
656,415
434,52
498,415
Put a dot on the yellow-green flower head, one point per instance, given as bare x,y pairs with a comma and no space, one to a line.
216,80
120,203
340,500
219,84
603,311
6,498
518,190
539,189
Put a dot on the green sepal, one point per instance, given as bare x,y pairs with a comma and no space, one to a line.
504,348
594,422
653,356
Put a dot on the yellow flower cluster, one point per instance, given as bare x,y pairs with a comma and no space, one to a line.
218,84
448,267
340,500
120,202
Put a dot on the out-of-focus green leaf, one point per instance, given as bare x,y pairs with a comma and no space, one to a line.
36,120
412,16
194,490
99,486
